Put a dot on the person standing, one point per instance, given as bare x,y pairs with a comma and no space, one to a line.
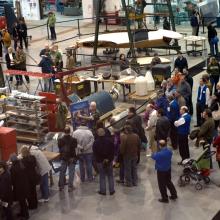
130,144
6,38
183,129
10,61
206,130
67,147
23,33
103,149
43,168
180,62
162,126
151,126
51,21
194,23
21,189
213,40
203,98
46,65
163,166
15,34
6,191
30,164
216,144
213,70
173,113
189,80
184,89
85,140
93,117
136,123
20,64
61,114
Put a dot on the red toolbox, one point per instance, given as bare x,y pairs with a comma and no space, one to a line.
8,142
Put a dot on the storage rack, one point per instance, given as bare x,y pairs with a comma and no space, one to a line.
27,117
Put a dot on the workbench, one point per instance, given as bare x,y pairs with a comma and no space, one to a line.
147,60
134,97
197,44
125,82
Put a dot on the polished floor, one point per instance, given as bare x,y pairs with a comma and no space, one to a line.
128,203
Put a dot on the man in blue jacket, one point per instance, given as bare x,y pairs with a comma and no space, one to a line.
163,167
183,129
173,113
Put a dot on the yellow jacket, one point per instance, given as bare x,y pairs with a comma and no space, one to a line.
6,39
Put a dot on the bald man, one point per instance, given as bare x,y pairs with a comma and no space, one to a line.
93,117
163,166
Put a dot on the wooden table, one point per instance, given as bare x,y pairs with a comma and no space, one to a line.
126,81
147,60
195,42
51,156
151,95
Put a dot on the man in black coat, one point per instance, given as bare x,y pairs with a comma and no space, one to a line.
21,191
103,149
181,62
5,191
162,126
67,147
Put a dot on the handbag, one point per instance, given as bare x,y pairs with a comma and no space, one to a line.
193,134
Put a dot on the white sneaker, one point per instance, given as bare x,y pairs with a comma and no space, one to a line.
43,200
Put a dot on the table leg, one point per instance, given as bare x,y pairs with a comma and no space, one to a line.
103,86
96,86
123,88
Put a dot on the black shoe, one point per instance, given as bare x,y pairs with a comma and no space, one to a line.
101,193
163,200
180,163
120,181
173,197
112,193
196,126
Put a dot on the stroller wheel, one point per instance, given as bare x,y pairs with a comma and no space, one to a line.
198,186
206,180
187,179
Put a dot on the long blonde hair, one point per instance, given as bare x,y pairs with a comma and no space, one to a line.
25,152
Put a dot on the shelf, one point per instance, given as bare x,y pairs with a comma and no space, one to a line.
37,132
26,123
33,116
28,139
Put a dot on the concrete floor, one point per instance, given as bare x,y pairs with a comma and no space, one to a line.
128,203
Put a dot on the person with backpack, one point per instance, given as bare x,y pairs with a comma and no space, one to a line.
67,147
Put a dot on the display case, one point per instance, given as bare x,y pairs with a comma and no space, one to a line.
25,114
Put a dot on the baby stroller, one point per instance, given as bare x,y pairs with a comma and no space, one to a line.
197,170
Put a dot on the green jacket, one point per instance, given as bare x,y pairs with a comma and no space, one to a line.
51,20
207,130
213,69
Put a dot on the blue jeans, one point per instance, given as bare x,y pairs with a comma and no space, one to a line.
130,165
103,173
44,186
63,168
85,163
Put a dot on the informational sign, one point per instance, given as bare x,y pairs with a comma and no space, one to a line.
30,9
77,108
